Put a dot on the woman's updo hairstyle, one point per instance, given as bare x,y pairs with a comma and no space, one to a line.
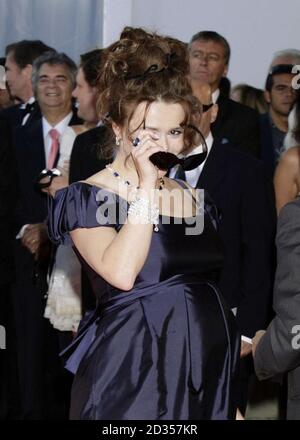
143,67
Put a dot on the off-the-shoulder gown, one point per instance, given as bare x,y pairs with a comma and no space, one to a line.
168,348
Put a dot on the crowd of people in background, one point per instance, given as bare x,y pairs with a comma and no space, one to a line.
53,134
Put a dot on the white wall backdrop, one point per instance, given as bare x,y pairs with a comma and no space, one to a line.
71,26
254,28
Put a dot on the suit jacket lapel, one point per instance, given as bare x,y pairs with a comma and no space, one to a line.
213,171
35,145
222,112
33,149
34,114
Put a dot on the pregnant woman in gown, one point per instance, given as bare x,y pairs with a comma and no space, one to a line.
162,343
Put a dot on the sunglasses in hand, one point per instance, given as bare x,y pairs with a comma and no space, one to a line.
45,178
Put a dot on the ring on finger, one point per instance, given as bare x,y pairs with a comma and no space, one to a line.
136,142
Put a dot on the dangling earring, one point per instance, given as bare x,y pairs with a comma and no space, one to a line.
118,141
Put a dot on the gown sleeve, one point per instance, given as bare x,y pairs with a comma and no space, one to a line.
81,205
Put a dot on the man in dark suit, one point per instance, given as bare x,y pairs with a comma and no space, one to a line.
236,124
19,59
277,350
8,191
35,147
238,185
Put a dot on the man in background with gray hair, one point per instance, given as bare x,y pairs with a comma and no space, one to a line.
286,56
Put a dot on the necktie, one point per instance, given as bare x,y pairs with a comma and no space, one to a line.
193,161
180,173
29,107
54,134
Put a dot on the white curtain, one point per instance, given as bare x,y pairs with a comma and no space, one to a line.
70,26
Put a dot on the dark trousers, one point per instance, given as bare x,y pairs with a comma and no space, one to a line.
9,380
246,370
3,352
40,370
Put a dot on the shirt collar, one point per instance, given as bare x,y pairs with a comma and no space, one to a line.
209,141
60,127
30,101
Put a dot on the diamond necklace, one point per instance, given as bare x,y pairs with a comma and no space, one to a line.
118,175
126,182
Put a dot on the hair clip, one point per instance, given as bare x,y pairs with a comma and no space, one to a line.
169,57
152,69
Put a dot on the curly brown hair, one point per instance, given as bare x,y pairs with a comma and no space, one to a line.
144,67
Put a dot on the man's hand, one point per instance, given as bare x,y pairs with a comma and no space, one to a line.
34,237
255,341
246,348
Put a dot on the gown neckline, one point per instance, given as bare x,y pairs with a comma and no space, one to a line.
122,198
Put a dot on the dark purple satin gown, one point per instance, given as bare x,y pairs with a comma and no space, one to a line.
167,349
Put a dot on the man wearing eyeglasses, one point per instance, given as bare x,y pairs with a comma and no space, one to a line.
209,55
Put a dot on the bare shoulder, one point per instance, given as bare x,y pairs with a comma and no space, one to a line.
101,179
291,157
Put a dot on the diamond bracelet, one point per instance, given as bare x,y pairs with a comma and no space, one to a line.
144,212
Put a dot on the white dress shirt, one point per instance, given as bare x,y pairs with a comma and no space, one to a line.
60,127
192,176
215,96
